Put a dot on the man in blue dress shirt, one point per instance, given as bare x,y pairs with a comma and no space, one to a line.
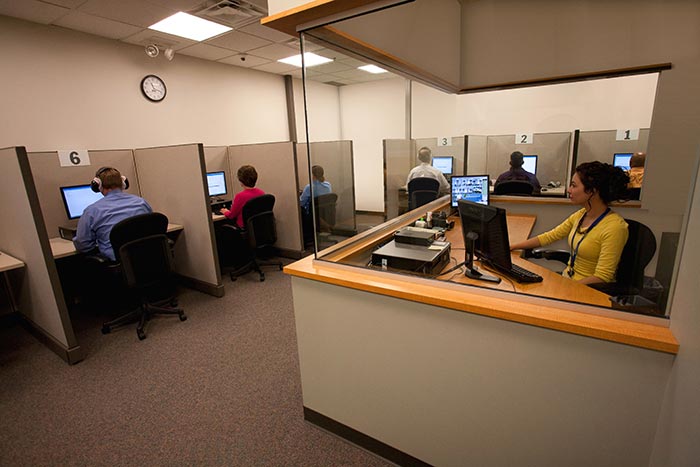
97,220
321,187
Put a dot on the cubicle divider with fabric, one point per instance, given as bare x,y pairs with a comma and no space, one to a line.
398,157
603,145
277,174
336,158
49,176
172,180
476,154
23,235
215,160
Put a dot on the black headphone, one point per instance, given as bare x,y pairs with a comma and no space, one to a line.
96,183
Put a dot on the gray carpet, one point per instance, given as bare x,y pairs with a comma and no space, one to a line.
222,388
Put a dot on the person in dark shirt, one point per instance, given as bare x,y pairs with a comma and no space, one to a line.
517,172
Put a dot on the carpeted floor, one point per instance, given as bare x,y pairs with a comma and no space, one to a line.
222,388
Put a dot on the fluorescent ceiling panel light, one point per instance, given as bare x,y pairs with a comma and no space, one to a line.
190,27
372,69
310,59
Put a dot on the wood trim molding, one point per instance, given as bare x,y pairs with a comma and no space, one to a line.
288,20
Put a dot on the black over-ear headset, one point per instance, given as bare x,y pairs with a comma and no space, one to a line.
96,183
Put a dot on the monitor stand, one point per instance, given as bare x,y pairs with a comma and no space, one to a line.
472,272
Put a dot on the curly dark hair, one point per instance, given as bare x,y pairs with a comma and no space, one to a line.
609,181
247,175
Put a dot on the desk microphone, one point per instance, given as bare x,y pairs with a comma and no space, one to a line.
471,271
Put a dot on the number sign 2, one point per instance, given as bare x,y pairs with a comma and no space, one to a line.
523,138
73,158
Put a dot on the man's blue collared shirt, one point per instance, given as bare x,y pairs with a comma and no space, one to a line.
320,188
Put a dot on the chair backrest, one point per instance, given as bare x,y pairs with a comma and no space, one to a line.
324,205
638,252
132,228
634,193
513,187
260,221
146,263
422,190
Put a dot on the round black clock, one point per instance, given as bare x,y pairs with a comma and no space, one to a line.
153,88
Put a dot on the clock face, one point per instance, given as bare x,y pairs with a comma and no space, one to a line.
153,88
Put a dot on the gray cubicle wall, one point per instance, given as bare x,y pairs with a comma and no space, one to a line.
173,181
476,154
602,145
455,149
553,151
49,176
23,235
277,174
216,160
336,158
399,155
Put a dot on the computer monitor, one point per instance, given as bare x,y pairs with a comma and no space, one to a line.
490,224
622,160
474,188
530,164
443,164
217,183
76,198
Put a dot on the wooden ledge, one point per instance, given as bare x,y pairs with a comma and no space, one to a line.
526,310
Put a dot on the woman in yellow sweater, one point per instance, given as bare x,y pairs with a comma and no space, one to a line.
596,234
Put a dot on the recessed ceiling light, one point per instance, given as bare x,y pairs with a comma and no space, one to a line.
310,59
190,27
372,69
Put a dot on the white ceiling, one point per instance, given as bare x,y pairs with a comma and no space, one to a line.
249,45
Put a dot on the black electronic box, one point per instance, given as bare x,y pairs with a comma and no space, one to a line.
417,258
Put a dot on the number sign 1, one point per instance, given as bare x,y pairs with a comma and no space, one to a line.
73,158
444,141
627,134
523,138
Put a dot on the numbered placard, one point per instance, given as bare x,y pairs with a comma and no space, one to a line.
523,138
73,157
444,141
627,134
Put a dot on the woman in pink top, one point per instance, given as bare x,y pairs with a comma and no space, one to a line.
248,177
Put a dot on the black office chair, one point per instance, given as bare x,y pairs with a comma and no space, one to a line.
422,190
634,193
636,255
324,206
144,257
513,187
244,249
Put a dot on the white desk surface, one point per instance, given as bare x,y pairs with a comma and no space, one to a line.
60,247
546,191
217,217
8,262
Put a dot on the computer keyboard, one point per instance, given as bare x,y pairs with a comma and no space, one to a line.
518,273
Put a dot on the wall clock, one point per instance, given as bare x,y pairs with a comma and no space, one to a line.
153,88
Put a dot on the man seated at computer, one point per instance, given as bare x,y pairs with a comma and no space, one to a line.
321,187
517,172
247,177
424,169
595,234
97,220
636,171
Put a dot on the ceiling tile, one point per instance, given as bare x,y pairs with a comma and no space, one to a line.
332,67
257,29
31,10
238,41
354,74
96,25
275,51
65,3
179,5
249,62
148,36
276,67
351,62
134,12
206,51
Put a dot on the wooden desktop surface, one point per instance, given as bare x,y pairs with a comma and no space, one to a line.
7,262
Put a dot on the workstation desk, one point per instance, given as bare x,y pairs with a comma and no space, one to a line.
9,263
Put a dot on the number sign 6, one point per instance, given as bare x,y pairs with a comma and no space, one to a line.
73,158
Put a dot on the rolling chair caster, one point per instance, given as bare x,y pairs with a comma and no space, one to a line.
106,329
141,334
183,317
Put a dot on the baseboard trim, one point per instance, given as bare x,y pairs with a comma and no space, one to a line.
370,213
362,440
205,287
71,355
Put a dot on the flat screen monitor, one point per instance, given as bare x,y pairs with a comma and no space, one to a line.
217,183
474,188
443,164
622,160
77,198
530,164
491,226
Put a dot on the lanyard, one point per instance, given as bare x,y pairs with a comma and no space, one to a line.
574,251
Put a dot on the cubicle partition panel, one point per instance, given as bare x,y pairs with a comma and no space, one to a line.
216,160
173,182
23,235
443,146
277,174
336,158
50,175
476,154
399,155
552,149
603,145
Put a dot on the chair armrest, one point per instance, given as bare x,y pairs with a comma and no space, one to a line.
539,253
